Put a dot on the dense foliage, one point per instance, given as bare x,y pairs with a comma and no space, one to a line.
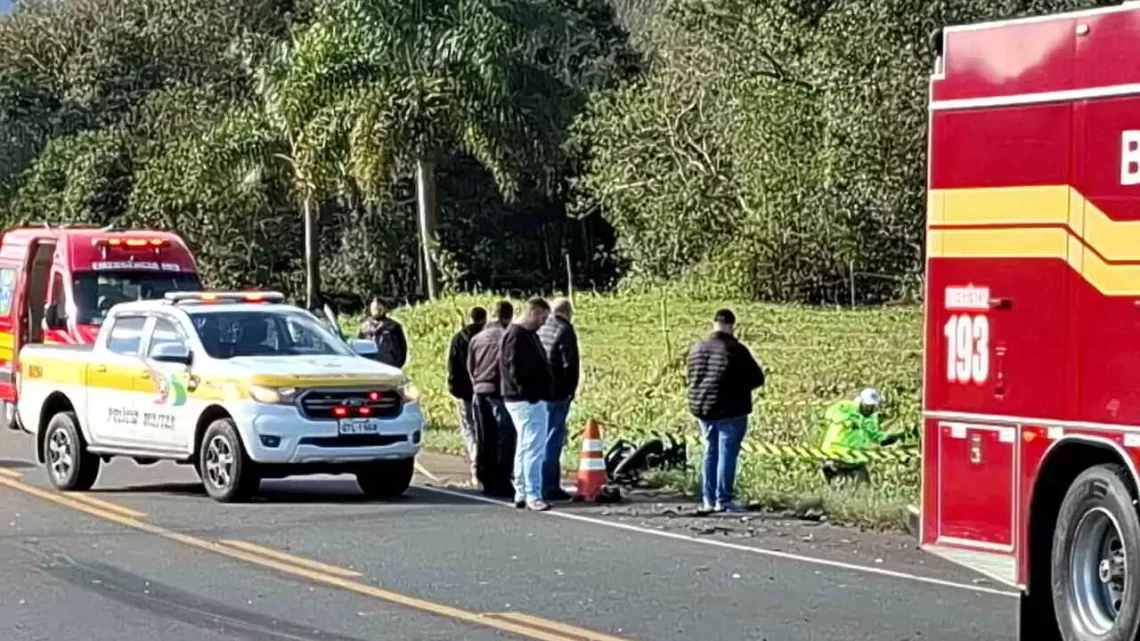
771,149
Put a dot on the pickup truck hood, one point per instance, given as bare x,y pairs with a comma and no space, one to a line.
308,371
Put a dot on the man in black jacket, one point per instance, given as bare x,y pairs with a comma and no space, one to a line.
494,431
561,344
526,383
391,345
459,382
722,374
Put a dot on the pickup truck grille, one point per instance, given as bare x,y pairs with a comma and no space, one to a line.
333,404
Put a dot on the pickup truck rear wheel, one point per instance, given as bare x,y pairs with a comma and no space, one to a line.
71,468
226,470
1096,558
386,479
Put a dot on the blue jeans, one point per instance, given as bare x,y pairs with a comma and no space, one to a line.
530,423
722,449
556,414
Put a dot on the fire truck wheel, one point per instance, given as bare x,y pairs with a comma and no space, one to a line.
226,470
71,468
1096,558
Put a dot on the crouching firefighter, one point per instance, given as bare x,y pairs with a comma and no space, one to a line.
854,425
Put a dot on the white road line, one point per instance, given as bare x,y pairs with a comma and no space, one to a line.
740,548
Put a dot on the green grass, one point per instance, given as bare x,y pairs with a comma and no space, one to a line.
633,349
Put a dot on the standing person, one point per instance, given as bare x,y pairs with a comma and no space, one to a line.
722,374
459,382
495,433
386,333
561,344
526,383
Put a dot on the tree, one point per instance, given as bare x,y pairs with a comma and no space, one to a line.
399,85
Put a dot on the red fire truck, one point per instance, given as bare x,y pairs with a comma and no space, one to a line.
1032,376
57,283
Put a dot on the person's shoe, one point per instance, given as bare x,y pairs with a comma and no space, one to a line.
731,507
704,509
558,495
537,505
520,502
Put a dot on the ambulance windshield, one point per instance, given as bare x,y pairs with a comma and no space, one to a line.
97,291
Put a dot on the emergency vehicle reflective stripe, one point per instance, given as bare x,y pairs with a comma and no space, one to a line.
1052,221
7,343
131,378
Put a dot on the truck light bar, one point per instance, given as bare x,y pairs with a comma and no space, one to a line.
224,297
130,242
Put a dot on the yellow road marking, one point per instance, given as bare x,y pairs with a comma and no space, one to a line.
424,471
554,626
289,558
505,625
106,505
12,474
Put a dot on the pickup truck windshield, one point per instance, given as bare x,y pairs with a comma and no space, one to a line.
257,333
97,291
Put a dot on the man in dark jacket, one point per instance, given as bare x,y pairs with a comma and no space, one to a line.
561,344
494,431
459,382
386,333
722,374
526,383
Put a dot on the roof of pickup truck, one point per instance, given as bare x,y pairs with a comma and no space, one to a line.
198,308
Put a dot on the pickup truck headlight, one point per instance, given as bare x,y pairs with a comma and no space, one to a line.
409,393
273,395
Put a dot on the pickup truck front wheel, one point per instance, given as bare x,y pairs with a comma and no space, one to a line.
386,479
226,470
71,468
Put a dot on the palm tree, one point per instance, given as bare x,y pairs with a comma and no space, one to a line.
379,89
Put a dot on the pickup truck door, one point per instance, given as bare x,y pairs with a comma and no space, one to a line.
113,405
167,423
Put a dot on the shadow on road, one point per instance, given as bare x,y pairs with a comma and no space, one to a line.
293,491
16,464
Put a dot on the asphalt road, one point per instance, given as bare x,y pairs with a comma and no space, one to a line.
152,557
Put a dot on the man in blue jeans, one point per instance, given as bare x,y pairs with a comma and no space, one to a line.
722,374
561,344
524,374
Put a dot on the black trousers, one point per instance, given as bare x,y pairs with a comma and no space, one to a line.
495,452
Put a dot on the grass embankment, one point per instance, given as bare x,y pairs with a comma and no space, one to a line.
634,346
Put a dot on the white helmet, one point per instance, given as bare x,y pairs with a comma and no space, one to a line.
869,397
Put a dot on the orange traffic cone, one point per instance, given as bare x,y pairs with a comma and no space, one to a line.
592,466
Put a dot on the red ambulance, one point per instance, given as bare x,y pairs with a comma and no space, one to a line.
57,283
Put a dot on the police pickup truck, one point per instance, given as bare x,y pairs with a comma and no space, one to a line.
238,385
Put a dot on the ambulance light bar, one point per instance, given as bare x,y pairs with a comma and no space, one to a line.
224,297
130,242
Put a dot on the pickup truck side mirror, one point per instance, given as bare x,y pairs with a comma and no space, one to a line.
173,353
365,348
52,318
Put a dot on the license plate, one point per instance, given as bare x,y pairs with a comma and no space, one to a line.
354,426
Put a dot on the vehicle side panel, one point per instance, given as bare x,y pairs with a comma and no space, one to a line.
1035,201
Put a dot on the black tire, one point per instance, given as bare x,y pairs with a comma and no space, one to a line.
1096,558
228,473
70,467
386,479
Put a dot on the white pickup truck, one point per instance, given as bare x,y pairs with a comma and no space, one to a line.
238,385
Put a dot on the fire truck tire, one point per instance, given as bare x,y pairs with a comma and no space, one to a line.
70,467
228,473
1096,558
